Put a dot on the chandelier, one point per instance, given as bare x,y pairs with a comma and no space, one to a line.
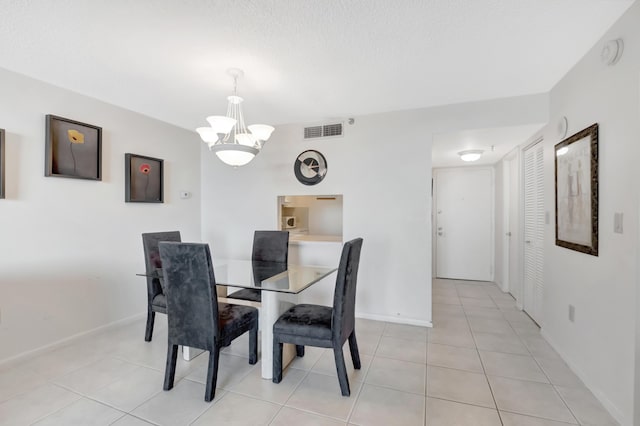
233,142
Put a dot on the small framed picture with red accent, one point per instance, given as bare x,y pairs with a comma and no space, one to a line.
144,179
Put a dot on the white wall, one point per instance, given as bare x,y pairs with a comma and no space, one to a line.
70,249
599,345
382,166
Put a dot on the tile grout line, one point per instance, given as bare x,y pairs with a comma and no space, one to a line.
536,363
493,397
355,402
545,374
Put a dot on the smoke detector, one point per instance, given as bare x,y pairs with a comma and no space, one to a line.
612,52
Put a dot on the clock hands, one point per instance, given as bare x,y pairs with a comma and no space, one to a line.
310,167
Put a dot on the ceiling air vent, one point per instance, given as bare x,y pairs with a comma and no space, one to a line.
313,132
332,130
323,131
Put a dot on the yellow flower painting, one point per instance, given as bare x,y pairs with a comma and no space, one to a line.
75,136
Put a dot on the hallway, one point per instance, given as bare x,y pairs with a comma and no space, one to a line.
483,351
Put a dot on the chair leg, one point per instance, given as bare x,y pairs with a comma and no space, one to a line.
212,374
342,370
253,345
148,332
353,347
299,351
277,361
170,368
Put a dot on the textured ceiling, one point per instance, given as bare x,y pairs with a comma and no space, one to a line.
496,143
305,61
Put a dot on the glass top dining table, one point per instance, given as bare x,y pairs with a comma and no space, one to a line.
264,276
268,276
279,284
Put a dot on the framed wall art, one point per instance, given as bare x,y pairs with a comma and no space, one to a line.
576,181
73,149
143,179
2,161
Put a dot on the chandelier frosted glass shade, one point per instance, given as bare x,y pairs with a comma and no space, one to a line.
208,135
234,143
246,139
221,124
261,131
234,154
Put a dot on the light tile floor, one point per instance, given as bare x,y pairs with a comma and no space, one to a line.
483,363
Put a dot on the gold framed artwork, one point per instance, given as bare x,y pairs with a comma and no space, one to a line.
576,188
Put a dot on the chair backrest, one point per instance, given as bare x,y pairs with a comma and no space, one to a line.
152,260
344,297
264,270
271,246
192,302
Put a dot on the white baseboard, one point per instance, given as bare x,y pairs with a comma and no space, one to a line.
396,320
600,396
24,356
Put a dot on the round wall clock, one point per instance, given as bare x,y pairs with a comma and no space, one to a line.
310,167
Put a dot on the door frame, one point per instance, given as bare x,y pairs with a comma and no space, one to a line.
511,264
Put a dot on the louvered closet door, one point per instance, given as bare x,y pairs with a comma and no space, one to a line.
533,230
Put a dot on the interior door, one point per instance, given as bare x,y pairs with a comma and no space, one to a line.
511,261
533,231
464,223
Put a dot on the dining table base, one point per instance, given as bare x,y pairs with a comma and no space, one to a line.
274,304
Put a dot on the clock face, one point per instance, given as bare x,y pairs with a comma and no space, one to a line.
310,167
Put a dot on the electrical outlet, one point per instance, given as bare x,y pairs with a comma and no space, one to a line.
572,313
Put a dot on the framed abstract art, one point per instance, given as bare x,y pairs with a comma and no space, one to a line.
576,182
73,149
143,179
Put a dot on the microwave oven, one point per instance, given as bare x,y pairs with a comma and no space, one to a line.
289,222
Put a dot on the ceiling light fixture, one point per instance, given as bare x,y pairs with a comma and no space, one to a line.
233,142
470,154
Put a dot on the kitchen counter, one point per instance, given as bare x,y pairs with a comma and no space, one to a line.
304,238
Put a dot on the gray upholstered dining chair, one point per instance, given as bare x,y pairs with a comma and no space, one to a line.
268,246
156,300
195,317
324,326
